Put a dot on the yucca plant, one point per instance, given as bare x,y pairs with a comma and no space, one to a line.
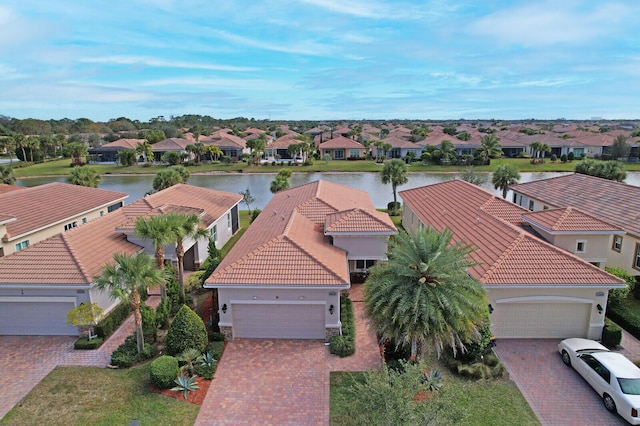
185,384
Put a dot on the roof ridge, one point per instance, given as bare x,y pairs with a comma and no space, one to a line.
503,257
309,255
563,217
74,257
252,253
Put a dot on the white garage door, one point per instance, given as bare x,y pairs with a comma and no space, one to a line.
35,318
542,320
278,321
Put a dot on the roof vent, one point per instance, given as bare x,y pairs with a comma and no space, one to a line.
275,212
444,212
282,217
478,221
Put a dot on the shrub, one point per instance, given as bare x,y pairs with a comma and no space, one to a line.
149,324
393,206
626,317
108,324
216,336
215,349
487,367
205,371
345,345
194,281
563,158
611,334
164,371
554,158
127,353
254,214
84,343
617,295
341,346
163,311
571,156
186,331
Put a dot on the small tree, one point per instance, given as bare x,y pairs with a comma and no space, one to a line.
394,172
281,181
186,331
85,317
504,176
247,198
84,176
127,157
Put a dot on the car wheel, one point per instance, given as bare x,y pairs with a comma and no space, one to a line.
565,358
609,403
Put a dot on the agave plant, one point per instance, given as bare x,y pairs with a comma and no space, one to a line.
207,360
185,384
433,380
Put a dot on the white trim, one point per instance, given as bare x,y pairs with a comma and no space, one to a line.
559,299
345,286
276,302
557,286
38,299
30,286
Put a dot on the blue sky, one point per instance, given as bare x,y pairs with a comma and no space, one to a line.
320,59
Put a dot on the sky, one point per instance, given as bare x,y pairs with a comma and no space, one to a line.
320,59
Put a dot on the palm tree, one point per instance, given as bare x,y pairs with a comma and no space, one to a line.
503,176
145,149
394,172
422,296
84,176
9,145
158,230
183,226
6,175
126,279
447,151
19,141
214,151
490,147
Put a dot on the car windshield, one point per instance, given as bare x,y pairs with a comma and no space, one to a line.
630,386
590,351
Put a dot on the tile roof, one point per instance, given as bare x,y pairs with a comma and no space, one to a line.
77,256
341,142
614,202
398,142
9,188
285,245
171,144
505,253
121,143
44,205
568,220
360,222
222,139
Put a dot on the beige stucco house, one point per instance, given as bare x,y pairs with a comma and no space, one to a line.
534,289
284,276
30,215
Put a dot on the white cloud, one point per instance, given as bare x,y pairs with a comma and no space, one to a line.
152,62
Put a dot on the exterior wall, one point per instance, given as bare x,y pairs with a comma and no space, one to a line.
597,296
53,229
103,299
331,296
370,247
597,247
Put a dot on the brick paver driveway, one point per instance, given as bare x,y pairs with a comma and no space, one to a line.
556,393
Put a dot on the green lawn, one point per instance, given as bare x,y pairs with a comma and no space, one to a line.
61,167
244,224
99,396
460,401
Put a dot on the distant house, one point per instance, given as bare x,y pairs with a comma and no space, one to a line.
534,289
108,153
177,145
284,276
61,207
615,203
41,283
231,145
341,148
399,148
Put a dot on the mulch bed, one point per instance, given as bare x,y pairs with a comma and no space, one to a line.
194,397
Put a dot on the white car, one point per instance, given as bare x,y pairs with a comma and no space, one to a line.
612,375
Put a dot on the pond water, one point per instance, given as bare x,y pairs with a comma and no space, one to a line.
258,183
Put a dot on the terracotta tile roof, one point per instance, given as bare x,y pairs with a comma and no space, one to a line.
614,202
341,142
568,220
398,142
130,224
223,139
122,143
9,188
359,221
286,244
44,205
171,144
78,255
506,254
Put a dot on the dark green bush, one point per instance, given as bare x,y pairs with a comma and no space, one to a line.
163,371
108,324
186,331
216,336
163,311
626,316
174,291
127,353
205,371
149,325
215,349
391,206
611,334
345,345
254,214
84,343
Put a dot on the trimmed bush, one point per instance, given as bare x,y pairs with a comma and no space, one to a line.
215,349
617,295
345,345
216,336
127,353
186,331
84,343
163,371
205,371
611,334
108,324
629,319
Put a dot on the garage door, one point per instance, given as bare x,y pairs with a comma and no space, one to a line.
24,318
540,320
278,321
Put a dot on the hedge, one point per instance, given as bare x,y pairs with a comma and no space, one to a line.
163,371
627,317
127,353
112,321
611,334
345,345
84,343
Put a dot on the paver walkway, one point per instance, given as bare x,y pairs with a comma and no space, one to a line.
26,360
283,382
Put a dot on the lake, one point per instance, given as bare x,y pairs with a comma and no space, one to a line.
258,183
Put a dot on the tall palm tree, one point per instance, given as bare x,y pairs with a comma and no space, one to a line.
126,279
535,148
503,176
145,149
422,296
215,152
490,147
394,172
158,229
84,176
184,226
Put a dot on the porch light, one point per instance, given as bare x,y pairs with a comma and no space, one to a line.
224,308
599,307
331,309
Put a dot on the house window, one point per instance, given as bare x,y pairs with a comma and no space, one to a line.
545,208
531,205
22,245
101,212
515,198
84,220
114,207
354,153
636,257
581,246
214,233
71,225
229,220
338,154
617,243
364,264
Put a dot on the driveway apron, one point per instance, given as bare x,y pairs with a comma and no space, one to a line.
557,394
